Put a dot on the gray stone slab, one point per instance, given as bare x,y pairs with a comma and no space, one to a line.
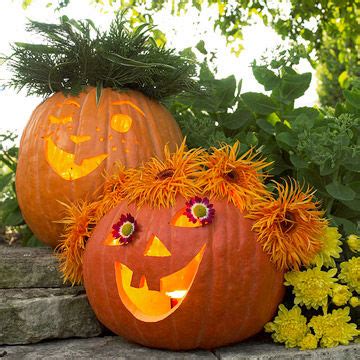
24,267
254,350
32,315
109,347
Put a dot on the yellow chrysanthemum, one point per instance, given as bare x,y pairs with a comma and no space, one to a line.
239,179
309,342
354,301
334,329
340,294
311,287
158,182
350,273
331,248
353,242
290,227
288,327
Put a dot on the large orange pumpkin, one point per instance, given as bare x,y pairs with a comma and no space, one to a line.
180,285
70,141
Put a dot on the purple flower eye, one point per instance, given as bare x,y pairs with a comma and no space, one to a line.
198,209
124,229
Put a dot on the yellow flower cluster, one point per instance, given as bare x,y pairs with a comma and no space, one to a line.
350,273
353,242
331,248
317,287
311,287
288,327
291,328
334,329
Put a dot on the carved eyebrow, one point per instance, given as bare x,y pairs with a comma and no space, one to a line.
60,120
130,103
71,102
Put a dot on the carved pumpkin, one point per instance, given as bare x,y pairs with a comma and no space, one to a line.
180,284
167,267
70,141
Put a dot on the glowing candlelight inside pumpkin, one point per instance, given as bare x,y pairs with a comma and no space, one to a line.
176,294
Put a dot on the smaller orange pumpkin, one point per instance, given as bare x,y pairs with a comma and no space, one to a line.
180,285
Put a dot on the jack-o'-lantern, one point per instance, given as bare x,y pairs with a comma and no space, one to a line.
111,115
170,267
69,142
181,285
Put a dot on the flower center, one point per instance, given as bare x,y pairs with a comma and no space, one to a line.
288,224
162,175
127,229
200,211
232,176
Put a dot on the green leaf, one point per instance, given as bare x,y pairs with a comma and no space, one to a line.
352,204
356,187
266,126
239,119
259,103
353,97
327,168
294,86
8,205
286,138
303,122
343,78
340,192
225,92
352,165
32,241
265,77
5,180
311,113
14,218
349,227
99,87
38,48
201,47
298,162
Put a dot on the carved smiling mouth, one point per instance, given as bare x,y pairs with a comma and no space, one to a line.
63,163
151,305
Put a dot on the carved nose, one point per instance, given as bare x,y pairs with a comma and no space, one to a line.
155,247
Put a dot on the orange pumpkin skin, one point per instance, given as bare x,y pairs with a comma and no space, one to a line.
235,291
69,142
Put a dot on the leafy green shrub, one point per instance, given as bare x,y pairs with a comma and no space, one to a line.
319,147
10,215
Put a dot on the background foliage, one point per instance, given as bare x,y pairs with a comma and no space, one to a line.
12,224
329,29
317,145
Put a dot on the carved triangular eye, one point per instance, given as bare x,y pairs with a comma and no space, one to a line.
155,247
181,220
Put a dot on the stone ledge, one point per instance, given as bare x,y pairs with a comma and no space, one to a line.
32,315
255,350
113,347
24,267
110,347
